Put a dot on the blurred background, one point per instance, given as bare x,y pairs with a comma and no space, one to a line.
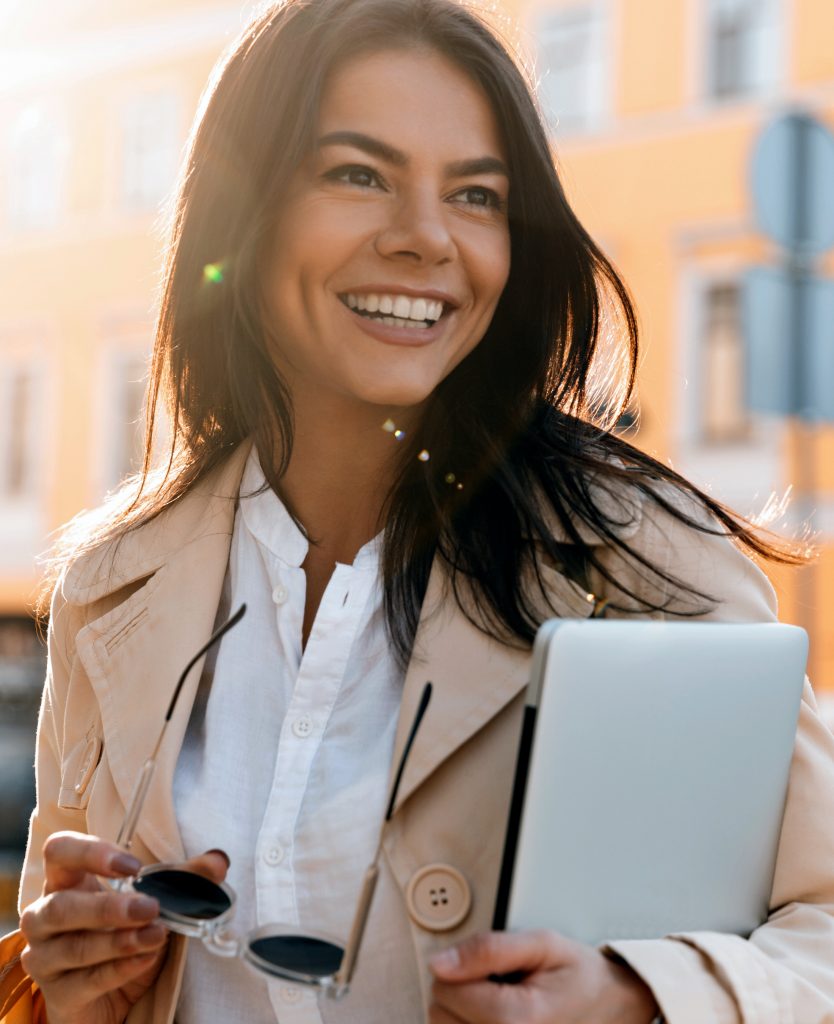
655,108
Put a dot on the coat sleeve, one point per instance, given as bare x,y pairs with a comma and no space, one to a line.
48,816
784,972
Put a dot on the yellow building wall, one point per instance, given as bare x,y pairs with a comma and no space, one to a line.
663,183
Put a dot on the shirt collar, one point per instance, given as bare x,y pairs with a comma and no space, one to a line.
266,517
268,520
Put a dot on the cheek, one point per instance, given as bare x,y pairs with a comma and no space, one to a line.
494,268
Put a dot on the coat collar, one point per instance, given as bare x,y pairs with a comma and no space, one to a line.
206,509
135,651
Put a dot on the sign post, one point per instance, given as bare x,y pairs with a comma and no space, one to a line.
787,310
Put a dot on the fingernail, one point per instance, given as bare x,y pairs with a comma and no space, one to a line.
141,908
125,863
223,854
153,935
445,960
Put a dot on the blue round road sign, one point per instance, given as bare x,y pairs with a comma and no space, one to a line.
793,183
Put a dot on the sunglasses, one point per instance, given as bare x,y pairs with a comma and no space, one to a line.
193,905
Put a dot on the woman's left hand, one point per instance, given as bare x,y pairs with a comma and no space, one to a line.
564,982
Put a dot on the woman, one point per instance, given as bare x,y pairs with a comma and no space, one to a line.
377,344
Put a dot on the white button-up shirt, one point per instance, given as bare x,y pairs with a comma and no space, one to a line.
285,767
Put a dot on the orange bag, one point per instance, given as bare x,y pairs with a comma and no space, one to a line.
21,1001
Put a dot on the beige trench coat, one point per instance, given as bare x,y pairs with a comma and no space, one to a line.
125,621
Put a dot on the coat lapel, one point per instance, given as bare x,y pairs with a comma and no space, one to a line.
134,653
473,676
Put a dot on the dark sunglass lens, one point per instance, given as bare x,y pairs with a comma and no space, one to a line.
299,953
183,892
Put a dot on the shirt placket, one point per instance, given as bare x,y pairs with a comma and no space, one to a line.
320,674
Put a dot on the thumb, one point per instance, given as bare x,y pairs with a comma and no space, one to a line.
501,953
213,864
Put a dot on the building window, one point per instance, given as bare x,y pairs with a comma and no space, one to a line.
571,68
743,42
150,149
19,456
128,428
724,415
36,158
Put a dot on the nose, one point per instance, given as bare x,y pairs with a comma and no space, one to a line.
417,231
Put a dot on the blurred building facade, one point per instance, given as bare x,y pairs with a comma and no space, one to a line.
654,107
96,100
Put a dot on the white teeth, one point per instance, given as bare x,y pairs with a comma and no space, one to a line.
395,321
400,306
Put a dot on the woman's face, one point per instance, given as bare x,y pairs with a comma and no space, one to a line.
393,247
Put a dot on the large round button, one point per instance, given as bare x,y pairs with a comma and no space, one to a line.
280,594
438,897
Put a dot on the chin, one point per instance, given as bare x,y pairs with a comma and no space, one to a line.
404,394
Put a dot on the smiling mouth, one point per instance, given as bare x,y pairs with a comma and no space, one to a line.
396,310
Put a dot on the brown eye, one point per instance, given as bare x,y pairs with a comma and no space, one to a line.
480,196
361,177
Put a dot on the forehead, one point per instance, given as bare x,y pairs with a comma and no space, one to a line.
415,100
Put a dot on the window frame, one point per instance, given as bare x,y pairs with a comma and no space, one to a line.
769,74
600,102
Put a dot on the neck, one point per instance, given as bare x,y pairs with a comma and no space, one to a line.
340,472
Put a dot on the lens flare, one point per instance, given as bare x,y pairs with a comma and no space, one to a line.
213,273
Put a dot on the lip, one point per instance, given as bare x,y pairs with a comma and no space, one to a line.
405,337
448,300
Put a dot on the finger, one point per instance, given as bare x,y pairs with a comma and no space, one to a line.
440,1015
73,950
76,990
213,865
71,911
500,953
485,1002
69,857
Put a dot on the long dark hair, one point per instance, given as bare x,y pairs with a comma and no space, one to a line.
518,432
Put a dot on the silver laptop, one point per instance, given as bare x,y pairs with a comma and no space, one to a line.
651,778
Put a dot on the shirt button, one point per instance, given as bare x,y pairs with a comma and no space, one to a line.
280,594
302,726
274,855
290,994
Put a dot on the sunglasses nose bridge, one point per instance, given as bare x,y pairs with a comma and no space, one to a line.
223,941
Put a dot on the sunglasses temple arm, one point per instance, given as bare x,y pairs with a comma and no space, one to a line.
137,801
345,973
140,791
346,968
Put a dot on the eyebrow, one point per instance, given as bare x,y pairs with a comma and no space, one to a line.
381,150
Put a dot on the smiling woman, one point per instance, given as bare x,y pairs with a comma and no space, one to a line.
377,344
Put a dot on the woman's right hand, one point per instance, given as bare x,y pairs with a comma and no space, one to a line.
94,952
